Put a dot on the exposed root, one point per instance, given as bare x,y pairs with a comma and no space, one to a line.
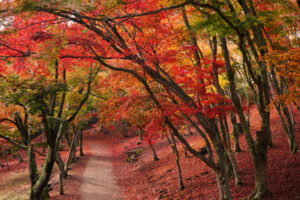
256,195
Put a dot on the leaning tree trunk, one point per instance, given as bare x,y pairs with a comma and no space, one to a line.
39,191
72,152
60,165
231,156
170,143
181,185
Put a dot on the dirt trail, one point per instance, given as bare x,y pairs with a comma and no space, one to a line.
98,182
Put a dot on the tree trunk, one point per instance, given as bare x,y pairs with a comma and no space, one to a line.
235,133
60,165
61,183
261,187
170,143
33,172
155,158
223,186
181,185
39,191
237,177
81,144
259,148
20,159
189,130
72,152
291,136
66,135
43,143
221,174
231,156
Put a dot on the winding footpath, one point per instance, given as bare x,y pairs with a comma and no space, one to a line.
98,182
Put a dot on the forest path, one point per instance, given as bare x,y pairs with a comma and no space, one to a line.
98,182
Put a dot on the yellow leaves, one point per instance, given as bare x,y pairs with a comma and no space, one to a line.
287,65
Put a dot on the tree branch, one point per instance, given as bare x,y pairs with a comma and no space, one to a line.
9,120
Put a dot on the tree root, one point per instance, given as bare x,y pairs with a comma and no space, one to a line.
256,195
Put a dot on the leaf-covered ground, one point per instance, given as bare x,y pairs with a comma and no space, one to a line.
146,179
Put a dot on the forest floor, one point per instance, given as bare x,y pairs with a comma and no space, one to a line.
149,180
146,179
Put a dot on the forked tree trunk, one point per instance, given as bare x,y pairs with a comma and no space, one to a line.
259,148
39,188
231,156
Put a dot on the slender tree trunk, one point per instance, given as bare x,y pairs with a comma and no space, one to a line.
287,121
189,130
155,158
170,143
60,165
291,135
81,143
20,159
228,163
181,185
61,183
231,156
66,135
235,133
72,152
43,143
292,114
